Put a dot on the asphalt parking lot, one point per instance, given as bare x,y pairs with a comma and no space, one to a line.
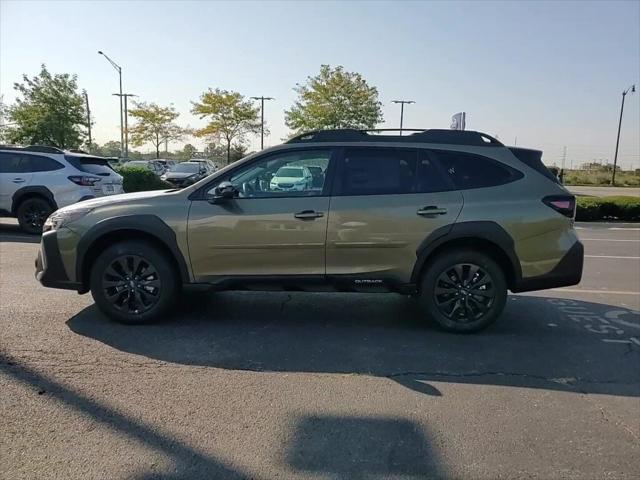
277,385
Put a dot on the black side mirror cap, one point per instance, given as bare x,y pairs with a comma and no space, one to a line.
224,191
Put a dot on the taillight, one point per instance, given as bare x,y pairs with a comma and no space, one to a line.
563,204
84,180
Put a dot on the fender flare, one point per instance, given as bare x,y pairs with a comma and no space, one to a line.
36,190
485,230
149,224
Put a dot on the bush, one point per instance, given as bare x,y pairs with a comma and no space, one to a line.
137,179
608,208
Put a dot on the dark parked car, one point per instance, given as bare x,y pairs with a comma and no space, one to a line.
187,173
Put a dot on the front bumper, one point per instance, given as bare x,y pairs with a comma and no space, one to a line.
567,272
50,270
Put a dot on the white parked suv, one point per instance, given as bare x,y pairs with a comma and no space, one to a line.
35,181
292,178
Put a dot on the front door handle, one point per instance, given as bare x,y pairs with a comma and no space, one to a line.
18,180
307,214
431,210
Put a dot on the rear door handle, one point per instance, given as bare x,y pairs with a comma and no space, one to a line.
18,180
307,214
431,210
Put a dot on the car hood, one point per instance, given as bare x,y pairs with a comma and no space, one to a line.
115,199
287,179
178,175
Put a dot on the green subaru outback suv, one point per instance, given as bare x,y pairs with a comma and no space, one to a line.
452,217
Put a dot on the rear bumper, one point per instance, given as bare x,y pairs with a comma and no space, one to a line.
567,272
50,271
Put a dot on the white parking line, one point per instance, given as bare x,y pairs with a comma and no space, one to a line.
611,256
579,290
607,240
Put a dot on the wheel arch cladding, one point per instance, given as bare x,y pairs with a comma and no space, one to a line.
129,227
485,236
30,192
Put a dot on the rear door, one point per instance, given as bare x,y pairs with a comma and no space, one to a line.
14,174
385,202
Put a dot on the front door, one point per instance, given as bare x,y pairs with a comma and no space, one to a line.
276,225
385,202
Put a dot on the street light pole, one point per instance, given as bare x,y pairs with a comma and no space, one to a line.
86,98
262,99
126,121
615,156
119,70
402,102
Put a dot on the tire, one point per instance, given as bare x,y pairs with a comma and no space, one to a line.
123,280
32,214
446,295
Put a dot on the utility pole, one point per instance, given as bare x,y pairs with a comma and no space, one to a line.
564,156
126,121
615,157
119,70
86,98
402,102
262,99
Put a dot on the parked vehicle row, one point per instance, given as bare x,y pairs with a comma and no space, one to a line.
187,173
452,217
35,181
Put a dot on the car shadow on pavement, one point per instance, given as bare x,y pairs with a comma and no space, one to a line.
538,343
361,447
11,233
188,462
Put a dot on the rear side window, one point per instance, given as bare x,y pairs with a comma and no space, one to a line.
377,171
466,170
12,163
37,163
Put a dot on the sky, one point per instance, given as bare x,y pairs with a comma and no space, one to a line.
540,74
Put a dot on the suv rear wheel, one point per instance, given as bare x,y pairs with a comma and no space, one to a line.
133,282
32,214
463,290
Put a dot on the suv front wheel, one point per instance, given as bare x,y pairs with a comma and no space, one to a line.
463,290
133,282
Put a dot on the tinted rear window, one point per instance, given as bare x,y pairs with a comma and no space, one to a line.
11,162
466,170
95,165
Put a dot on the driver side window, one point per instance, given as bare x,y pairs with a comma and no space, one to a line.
287,174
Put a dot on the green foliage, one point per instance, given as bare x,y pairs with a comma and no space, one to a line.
231,117
155,125
188,152
586,177
334,99
624,208
50,111
137,179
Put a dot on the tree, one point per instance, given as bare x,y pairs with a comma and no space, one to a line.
231,117
155,125
334,99
50,112
188,151
110,149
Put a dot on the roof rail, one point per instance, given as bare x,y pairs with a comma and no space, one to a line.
32,148
454,137
43,149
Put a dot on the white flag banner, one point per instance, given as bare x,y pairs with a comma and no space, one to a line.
458,121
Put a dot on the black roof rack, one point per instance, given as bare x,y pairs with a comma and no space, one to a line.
454,137
32,148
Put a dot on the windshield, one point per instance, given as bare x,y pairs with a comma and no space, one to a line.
290,172
185,167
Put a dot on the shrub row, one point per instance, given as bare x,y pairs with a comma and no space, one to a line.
137,179
608,208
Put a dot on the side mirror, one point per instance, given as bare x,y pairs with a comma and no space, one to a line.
224,191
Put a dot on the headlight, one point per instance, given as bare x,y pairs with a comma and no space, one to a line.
163,177
59,218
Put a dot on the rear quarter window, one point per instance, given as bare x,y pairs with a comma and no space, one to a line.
467,170
38,163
